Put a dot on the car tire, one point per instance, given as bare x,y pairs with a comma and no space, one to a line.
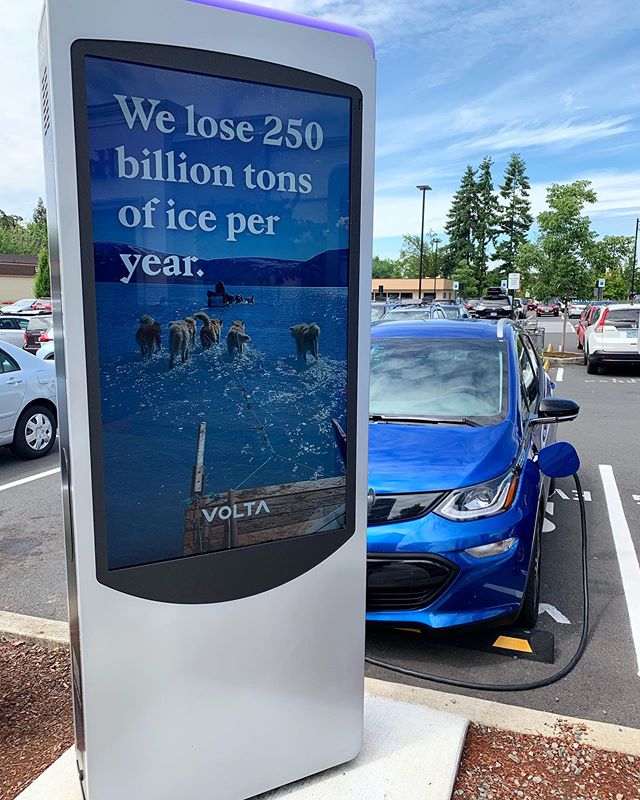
592,367
528,615
35,433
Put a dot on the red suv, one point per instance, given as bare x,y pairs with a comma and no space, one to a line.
588,318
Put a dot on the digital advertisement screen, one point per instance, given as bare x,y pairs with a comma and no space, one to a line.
220,223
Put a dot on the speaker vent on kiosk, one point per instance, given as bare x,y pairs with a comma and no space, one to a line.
46,111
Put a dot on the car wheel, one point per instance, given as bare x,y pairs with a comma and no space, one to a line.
592,367
35,433
528,615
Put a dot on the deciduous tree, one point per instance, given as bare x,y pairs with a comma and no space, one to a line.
566,241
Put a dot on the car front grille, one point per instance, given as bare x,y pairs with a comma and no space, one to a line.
406,583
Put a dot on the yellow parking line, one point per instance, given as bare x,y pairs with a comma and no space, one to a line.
512,643
546,365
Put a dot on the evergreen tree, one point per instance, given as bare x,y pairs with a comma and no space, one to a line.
485,229
42,280
515,213
461,220
465,274
40,212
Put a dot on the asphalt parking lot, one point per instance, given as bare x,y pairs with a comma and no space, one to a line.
605,684
32,564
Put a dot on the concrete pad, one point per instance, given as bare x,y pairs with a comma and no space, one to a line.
511,718
57,782
410,753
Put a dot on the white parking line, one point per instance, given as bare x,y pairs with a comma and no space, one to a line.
560,375
627,558
29,479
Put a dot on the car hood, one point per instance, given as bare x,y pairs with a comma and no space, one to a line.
427,458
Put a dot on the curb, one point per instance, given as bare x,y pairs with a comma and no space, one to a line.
559,362
603,735
50,633
618,738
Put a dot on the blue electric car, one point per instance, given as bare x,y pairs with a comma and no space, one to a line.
458,411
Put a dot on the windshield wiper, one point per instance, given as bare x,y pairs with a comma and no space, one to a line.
424,420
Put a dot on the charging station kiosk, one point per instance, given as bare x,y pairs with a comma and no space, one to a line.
209,170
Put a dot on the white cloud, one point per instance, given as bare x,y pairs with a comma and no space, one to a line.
21,170
398,214
567,134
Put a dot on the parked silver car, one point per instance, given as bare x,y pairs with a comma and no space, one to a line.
12,329
28,413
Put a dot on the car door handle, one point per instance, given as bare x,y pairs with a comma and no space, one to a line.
13,381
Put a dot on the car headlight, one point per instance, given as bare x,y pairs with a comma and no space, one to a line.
482,500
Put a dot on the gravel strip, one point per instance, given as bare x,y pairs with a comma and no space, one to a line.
35,712
36,728
497,765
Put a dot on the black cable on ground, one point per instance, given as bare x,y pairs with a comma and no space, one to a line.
520,687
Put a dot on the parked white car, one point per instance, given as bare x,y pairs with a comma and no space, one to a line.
19,307
577,307
28,413
612,337
46,350
12,329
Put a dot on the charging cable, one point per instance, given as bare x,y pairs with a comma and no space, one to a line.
520,687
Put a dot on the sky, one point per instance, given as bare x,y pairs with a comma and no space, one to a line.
557,82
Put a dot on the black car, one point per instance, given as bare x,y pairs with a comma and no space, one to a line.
453,310
36,327
494,305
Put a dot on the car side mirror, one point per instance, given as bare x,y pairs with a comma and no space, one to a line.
556,409
558,460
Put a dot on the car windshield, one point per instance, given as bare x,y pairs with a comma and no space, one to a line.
450,312
407,313
440,380
376,312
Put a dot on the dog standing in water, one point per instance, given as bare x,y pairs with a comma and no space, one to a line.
210,330
236,338
191,324
148,336
179,339
306,339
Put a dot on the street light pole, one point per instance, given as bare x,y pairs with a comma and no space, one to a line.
424,188
633,268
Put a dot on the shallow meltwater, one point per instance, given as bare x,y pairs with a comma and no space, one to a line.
268,412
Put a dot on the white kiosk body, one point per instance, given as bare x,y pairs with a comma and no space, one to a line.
210,161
